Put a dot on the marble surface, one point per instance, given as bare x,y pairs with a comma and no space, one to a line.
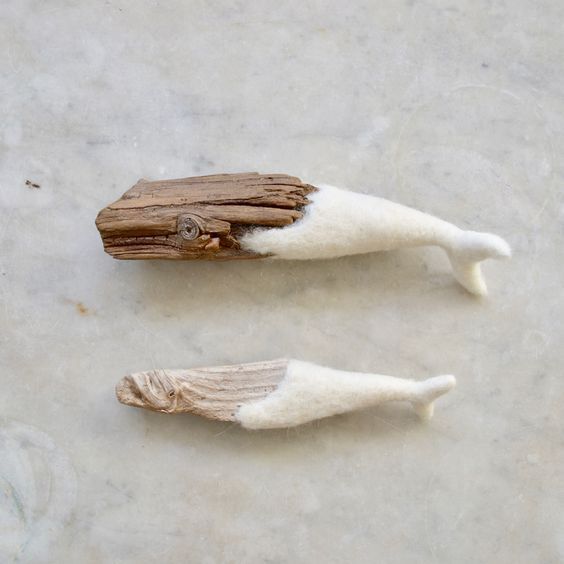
456,108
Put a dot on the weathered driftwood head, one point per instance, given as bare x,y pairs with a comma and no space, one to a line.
215,392
200,217
155,390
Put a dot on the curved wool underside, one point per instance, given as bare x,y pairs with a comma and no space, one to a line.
339,222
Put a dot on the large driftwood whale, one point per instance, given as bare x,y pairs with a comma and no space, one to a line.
279,393
251,215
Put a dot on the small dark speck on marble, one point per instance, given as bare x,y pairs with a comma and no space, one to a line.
80,308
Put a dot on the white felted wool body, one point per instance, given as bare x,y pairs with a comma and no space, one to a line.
308,392
339,222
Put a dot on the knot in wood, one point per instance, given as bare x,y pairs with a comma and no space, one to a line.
189,227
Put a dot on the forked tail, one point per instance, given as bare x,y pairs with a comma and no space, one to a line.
466,253
428,391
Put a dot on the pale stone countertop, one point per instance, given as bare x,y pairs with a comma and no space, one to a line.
456,108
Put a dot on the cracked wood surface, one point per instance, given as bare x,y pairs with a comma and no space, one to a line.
200,217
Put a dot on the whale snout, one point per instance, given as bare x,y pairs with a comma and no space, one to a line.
151,390
128,392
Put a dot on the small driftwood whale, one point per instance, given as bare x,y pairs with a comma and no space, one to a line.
279,393
251,215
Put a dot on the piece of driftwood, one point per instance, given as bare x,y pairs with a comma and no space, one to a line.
274,394
199,218
251,215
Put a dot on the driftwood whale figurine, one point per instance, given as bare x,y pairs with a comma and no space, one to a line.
251,215
274,394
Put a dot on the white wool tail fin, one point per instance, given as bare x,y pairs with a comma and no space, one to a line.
466,254
428,391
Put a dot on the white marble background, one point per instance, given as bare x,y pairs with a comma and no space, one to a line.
453,107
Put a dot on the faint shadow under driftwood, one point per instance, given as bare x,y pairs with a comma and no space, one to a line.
381,424
377,277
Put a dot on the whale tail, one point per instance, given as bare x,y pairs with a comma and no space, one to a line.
466,253
428,391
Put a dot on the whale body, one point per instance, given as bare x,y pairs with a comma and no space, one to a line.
309,392
274,394
338,222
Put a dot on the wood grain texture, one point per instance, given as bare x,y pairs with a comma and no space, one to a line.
213,392
200,217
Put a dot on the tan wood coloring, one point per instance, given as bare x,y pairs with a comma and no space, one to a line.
213,392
